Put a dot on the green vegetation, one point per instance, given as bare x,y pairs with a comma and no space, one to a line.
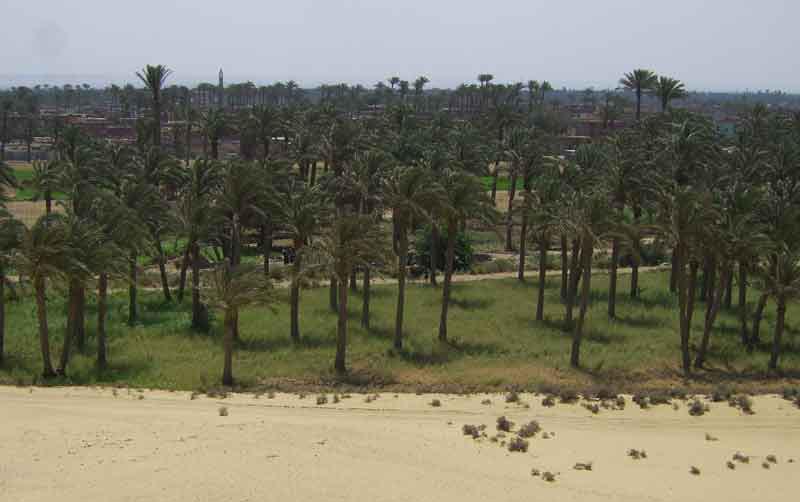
495,344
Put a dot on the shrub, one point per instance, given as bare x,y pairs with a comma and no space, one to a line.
637,454
549,476
504,424
518,444
569,396
529,430
742,402
742,459
486,402
694,470
698,408
322,399
512,397
593,407
422,249
772,459
730,465
721,393
549,401
620,402
583,466
436,403
471,430
223,411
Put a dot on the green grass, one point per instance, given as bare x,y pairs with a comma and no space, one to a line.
496,342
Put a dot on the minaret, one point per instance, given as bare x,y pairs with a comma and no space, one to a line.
221,92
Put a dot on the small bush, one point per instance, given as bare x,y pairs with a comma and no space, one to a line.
270,395
694,470
512,397
518,444
549,477
593,407
223,411
620,402
569,396
535,472
730,465
709,437
471,430
637,454
322,399
549,401
583,466
504,424
772,459
742,459
721,393
765,465
642,400
436,403
698,408
529,430
336,399
742,402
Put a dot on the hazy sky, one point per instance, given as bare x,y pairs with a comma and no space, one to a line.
709,44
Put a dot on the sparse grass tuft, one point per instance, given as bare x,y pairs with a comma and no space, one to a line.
548,401
549,477
223,411
772,459
322,399
694,470
504,424
637,454
730,465
709,437
486,402
593,407
583,466
742,459
436,403
742,402
512,397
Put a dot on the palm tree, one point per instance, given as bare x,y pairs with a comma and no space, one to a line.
46,180
463,198
214,126
44,254
668,89
232,288
409,194
264,122
782,281
639,81
303,212
154,78
352,240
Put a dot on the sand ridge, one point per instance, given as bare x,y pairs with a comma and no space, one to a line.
86,444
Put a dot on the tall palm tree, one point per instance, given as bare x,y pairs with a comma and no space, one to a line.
11,231
639,81
782,281
232,288
303,212
463,198
46,180
44,254
409,194
667,90
154,78
352,240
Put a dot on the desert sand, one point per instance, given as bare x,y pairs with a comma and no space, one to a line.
80,444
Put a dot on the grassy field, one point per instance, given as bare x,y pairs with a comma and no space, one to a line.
496,343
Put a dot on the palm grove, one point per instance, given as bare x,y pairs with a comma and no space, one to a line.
349,193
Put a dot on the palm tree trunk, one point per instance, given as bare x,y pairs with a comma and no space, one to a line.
227,370
74,306
365,304
313,177
495,174
401,289
197,321
333,295
448,277
512,192
266,242
102,307
755,336
294,296
692,293
542,278
673,272
743,302
353,281
574,280
184,269
586,255
132,311
434,253
162,270
341,330
564,268
523,236
780,319
711,316
683,304
637,249
44,337
728,301
612,280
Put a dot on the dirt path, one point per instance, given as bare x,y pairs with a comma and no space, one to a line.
77,444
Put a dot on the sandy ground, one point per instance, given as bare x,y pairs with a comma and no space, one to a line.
77,444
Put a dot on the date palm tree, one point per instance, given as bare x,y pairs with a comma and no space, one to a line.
46,181
410,194
44,254
303,212
639,81
11,231
667,90
154,78
462,198
232,288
